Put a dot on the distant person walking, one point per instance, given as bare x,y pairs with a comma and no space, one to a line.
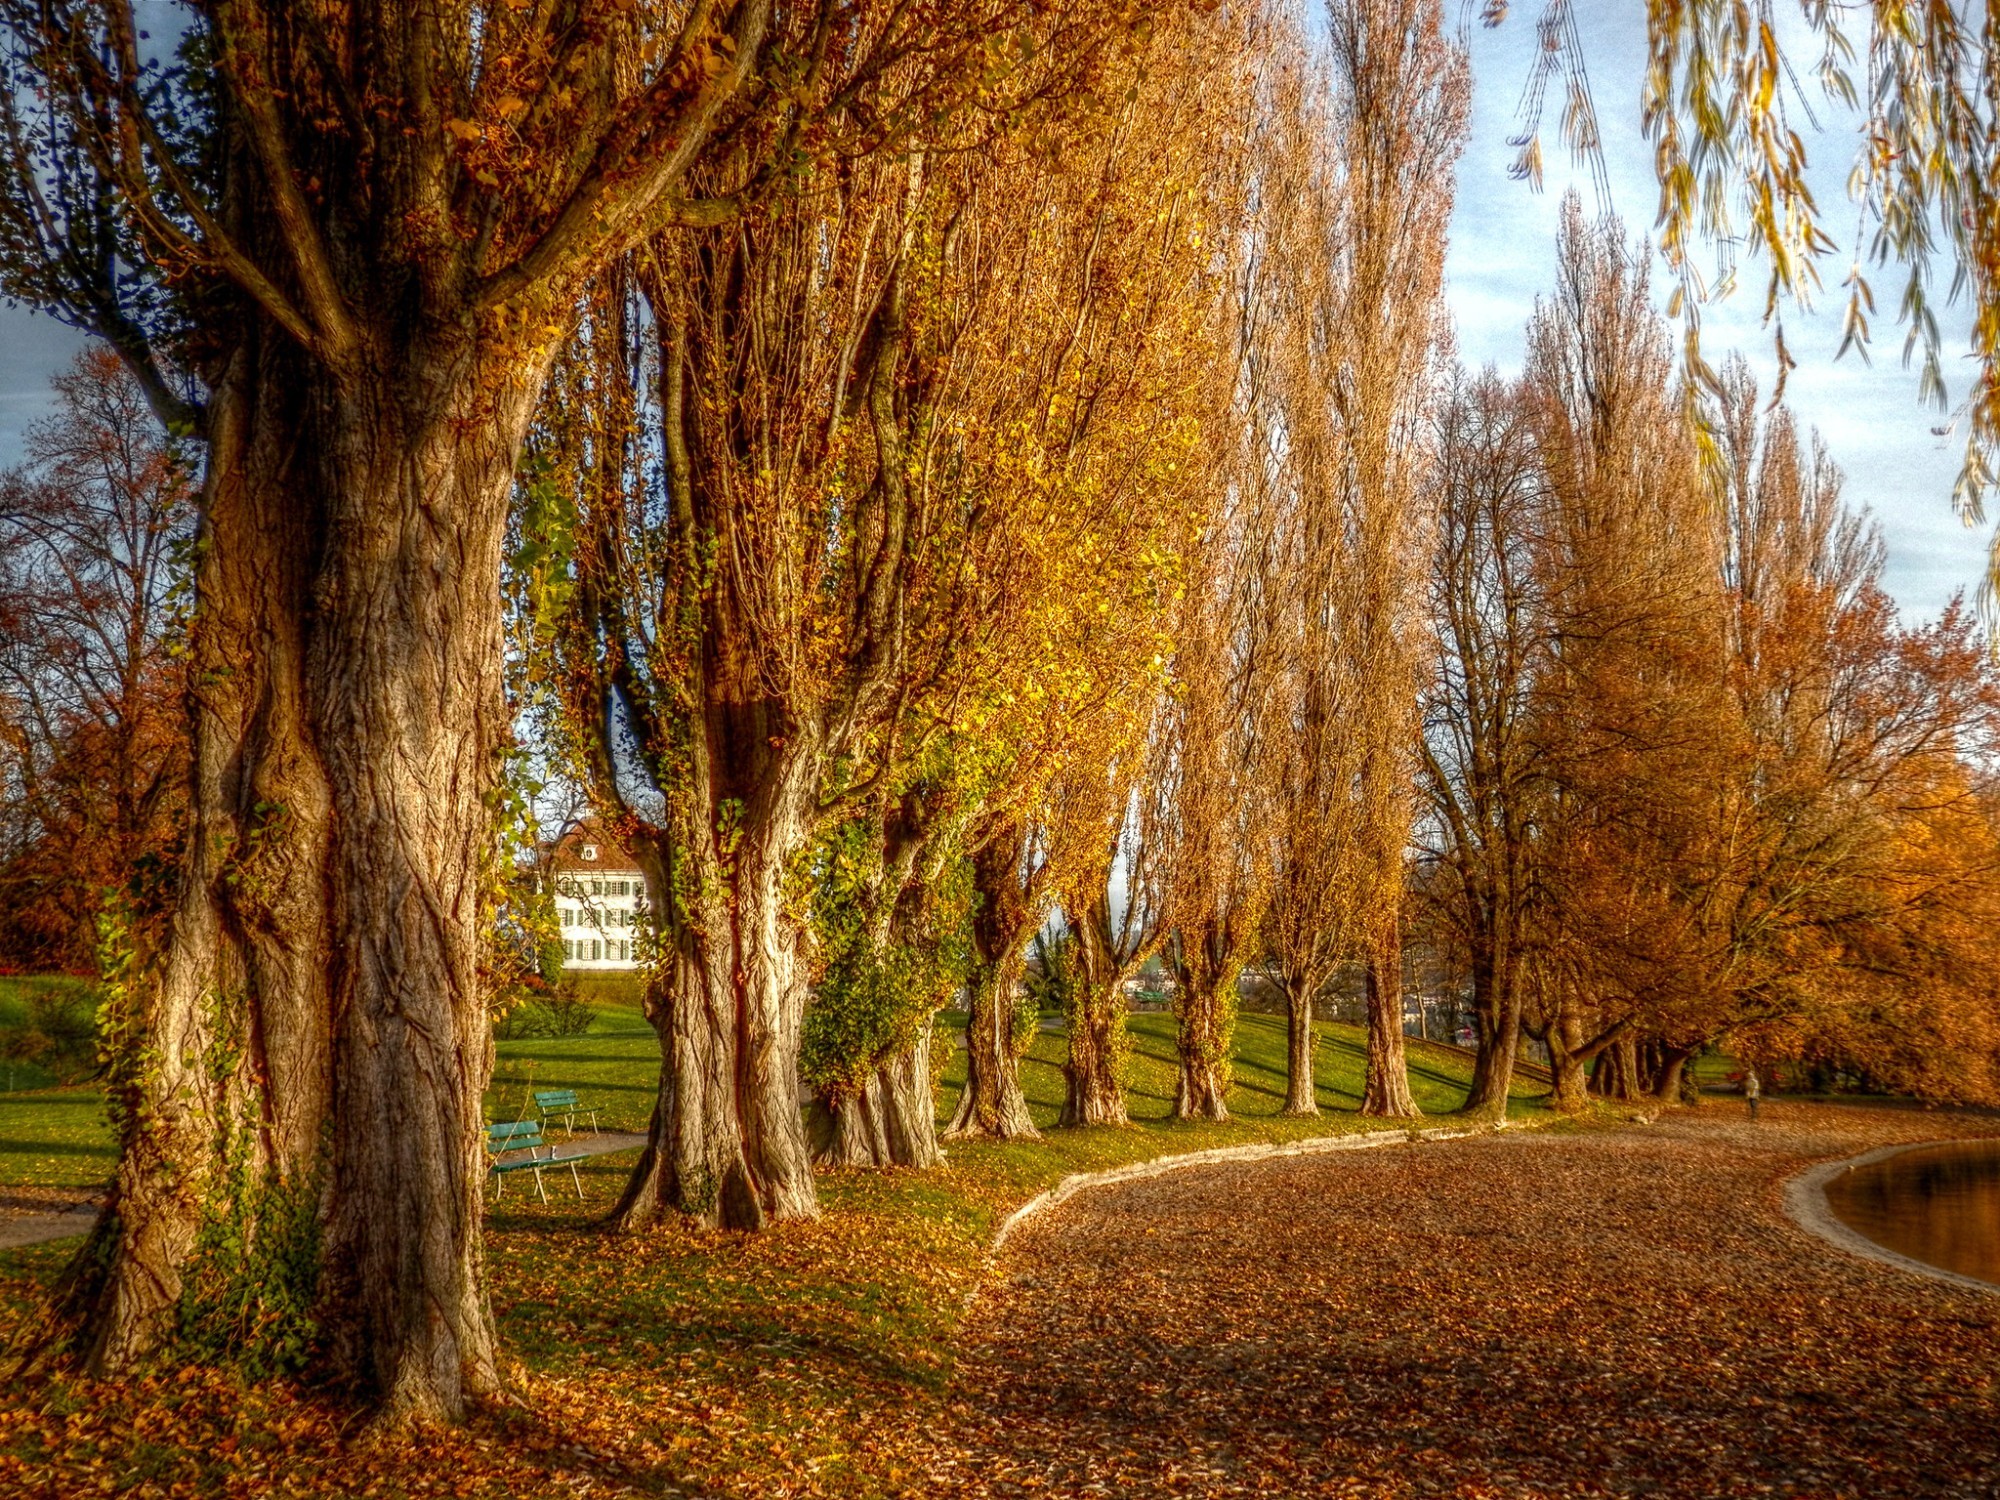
1753,1091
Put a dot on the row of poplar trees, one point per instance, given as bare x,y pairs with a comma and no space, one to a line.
920,463
1031,524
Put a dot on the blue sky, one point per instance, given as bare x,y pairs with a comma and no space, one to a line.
1503,253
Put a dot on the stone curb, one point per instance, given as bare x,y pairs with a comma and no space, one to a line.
1078,1182
1806,1206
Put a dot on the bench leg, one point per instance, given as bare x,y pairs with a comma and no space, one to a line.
499,1185
538,1185
576,1179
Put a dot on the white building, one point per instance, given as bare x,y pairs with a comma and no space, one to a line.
600,903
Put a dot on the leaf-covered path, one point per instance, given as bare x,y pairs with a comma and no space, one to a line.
1607,1312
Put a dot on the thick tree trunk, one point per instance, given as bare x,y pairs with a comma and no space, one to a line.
1207,1012
1385,1090
218,1021
1615,1075
727,1144
1095,1071
1301,1094
1569,1084
890,1122
1570,1055
1670,1068
991,1106
319,1012
1203,1089
410,721
1499,1012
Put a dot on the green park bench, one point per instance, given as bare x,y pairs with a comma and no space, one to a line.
525,1135
552,1102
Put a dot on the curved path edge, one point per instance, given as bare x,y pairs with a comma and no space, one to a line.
1315,1145
1806,1206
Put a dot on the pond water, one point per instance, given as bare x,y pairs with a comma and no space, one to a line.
1937,1204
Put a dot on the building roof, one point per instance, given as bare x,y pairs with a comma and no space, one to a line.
588,849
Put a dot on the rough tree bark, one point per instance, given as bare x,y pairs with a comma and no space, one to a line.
1385,1090
215,973
1615,1074
1497,1003
1571,1053
991,1106
322,961
1669,1067
727,1144
890,1122
1203,1087
1094,1092
1301,1094
1205,1005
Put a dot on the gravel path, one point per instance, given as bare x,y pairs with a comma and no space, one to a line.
1620,1312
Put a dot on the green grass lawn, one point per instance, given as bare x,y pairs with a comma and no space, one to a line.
59,1137
614,1066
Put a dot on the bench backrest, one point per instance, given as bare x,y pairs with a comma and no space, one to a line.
519,1136
555,1098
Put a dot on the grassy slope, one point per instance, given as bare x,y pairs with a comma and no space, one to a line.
49,1137
796,1361
14,996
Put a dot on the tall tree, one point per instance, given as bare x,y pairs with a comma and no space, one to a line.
1218,813
95,536
1632,713
1353,337
1482,769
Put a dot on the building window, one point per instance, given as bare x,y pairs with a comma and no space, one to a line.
596,951
590,851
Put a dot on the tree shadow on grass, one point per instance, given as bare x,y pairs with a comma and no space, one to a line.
60,1148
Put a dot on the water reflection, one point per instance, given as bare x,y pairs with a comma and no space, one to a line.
1940,1205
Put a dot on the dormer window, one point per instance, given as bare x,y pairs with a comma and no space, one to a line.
590,851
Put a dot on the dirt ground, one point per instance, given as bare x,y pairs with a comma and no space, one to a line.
1608,1312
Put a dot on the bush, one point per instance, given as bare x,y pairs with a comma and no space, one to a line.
561,1012
568,1013
58,1033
